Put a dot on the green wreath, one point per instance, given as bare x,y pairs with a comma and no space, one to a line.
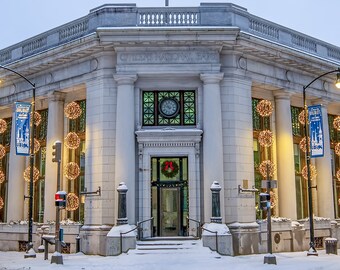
169,168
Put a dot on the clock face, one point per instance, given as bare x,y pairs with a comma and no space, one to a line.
169,107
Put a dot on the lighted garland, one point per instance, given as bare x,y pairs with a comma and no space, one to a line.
267,165
1,203
265,138
313,172
3,126
2,151
72,202
36,146
37,118
72,110
302,117
169,168
303,145
2,177
337,149
27,172
336,123
264,108
338,175
71,170
72,140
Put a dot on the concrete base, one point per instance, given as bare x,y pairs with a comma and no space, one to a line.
114,246
222,242
269,259
30,254
57,258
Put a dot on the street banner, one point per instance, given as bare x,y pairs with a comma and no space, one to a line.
315,131
22,128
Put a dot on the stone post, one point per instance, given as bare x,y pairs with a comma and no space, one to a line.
122,213
215,203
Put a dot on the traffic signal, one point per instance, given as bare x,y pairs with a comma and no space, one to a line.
60,199
56,151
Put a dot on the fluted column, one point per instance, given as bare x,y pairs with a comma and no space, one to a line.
212,140
285,156
16,183
55,131
125,170
324,179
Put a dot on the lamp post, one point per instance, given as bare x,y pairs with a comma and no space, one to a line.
312,250
30,253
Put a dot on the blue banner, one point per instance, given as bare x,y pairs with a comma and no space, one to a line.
22,128
315,131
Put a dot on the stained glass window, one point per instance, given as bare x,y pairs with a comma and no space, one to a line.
152,115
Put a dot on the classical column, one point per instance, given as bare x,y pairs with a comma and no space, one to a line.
55,131
212,140
16,182
285,156
324,179
125,169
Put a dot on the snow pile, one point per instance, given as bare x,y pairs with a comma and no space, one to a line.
221,229
117,230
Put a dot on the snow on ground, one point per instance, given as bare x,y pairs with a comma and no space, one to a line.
199,258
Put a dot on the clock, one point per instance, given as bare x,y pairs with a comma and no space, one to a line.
169,107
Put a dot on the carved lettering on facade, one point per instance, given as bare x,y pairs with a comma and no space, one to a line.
168,57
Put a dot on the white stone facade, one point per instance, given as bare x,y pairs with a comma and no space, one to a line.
225,61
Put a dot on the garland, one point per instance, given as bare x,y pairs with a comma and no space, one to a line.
169,168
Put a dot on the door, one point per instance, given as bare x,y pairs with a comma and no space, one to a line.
169,195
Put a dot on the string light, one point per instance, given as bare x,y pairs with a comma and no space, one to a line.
1,203
313,172
265,138
37,118
72,110
2,151
264,108
302,117
71,170
337,149
2,177
303,145
336,123
338,175
72,140
3,126
36,146
36,174
72,202
267,168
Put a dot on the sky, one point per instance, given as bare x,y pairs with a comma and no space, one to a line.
187,258
22,19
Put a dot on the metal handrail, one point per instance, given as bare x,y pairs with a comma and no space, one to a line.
216,240
199,226
121,238
140,229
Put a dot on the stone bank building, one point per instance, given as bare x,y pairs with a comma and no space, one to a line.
169,100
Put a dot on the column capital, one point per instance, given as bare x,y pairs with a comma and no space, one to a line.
125,79
324,102
211,77
56,96
282,94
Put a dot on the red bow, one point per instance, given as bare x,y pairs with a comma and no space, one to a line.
168,165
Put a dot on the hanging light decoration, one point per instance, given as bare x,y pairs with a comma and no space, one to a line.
267,167
36,146
337,149
312,169
71,170
302,117
336,123
72,202
72,110
2,151
72,140
37,118
338,175
265,138
264,108
303,145
36,174
3,126
2,177
1,203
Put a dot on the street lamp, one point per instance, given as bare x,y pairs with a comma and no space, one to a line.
29,251
312,250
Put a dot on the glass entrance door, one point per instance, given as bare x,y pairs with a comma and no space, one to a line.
169,195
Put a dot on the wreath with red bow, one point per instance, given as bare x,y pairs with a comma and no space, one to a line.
169,168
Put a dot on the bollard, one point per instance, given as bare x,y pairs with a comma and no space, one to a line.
122,213
216,207
77,244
